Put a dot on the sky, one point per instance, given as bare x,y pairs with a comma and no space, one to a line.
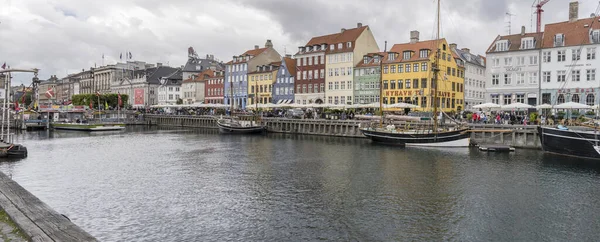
61,37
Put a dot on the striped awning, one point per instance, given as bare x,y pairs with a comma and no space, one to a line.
280,101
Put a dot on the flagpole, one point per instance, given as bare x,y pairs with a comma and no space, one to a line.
4,108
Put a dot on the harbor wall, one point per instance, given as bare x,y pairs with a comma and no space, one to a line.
518,136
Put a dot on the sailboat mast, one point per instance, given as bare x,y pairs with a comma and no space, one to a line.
436,71
231,98
381,89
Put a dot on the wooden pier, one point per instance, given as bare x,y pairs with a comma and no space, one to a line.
36,219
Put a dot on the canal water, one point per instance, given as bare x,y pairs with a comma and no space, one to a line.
151,184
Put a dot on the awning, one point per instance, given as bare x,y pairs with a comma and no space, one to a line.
288,101
280,101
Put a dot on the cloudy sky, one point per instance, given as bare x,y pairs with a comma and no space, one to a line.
64,36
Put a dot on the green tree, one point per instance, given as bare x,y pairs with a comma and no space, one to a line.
179,101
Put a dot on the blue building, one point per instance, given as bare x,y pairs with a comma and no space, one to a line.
236,72
283,88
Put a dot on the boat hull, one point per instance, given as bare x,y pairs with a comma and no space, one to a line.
229,129
457,138
88,127
569,142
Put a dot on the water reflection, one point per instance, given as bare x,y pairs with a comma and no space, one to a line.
171,184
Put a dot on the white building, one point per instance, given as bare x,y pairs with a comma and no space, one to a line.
475,69
513,63
169,90
142,89
570,60
192,89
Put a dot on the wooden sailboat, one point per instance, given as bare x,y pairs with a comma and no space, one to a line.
429,137
231,125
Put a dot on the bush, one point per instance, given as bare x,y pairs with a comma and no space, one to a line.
590,113
560,115
533,117
111,99
469,116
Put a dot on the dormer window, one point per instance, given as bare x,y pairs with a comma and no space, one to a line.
365,59
340,46
527,43
559,40
406,55
349,44
309,49
391,56
423,53
595,36
332,47
502,45
270,68
316,48
376,59
247,58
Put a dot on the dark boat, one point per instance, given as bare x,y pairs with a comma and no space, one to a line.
454,138
16,151
577,143
231,126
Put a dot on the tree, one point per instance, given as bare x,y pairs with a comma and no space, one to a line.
111,98
179,101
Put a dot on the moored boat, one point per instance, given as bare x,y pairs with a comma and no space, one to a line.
576,143
101,126
231,126
452,138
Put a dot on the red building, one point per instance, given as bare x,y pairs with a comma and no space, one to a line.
214,88
310,67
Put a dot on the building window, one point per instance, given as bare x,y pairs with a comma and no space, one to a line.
507,79
559,40
299,89
423,53
521,60
575,75
392,69
385,70
527,43
495,99
322,87
590,100
520,78
591,53
546,76
576,54
423,83
561,55
330,86
385,84
595,36
495,80
330,100
508,61
424,66
546,98
496,62
407,83
337,71
406,55
561,76
547,56
407,68
520,98
560,99
336,85
591,74
575,98
502,45
392,84
507,99
400,84
416,67
316,88
365,60
533,60
400,68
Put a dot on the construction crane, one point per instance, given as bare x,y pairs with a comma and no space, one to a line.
539,12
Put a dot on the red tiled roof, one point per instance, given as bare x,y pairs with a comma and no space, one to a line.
252,52
575,32
515,41
415,48
201,76
291,65
349,35
372,60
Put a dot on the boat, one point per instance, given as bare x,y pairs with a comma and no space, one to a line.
580,143
101,126
427,135
16,151
231,125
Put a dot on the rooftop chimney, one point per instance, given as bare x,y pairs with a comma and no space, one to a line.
359,25
453,46
288,56
158,64
256,47
573,11
269,44
592,15
342,31
522,30
414,36
466,50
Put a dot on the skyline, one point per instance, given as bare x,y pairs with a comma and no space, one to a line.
73,35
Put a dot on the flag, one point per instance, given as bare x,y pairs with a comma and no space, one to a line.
121,56
50,93
120,101
130,56
91,104
16,105
4,65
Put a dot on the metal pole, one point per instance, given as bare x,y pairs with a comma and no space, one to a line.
4,108
8,110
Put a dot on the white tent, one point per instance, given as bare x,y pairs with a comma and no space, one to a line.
371,105
544,106
516,105
487,105
572,105
402,105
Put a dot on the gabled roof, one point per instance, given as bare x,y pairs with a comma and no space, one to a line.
575,32
275,68
153,75
349,35
252,52
515,41
198,65
206,74
468,57
415,48
371,62
291,65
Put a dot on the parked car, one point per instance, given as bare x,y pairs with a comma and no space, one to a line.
295,113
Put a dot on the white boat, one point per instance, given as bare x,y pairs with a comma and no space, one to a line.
89,126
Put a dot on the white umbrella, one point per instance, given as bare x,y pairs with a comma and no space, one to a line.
370,105
402,105
487,105
544,106
516,105
572,105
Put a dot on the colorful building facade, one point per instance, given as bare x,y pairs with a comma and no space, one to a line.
215,88
260,83
367,81
283,88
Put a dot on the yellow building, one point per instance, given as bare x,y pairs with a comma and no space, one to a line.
407,75
260,83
